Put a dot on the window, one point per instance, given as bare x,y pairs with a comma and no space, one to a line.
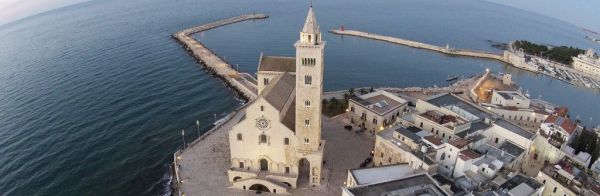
390,160
307,79
449,137
496,140
287,170
443,134
352,109
554,191
239,137
242,165
443,156
483,169
307,123
421,125
363,116
432,129
437,132
262,139
374,121
286,141
262,108
305,140
307,103
266,81
382,155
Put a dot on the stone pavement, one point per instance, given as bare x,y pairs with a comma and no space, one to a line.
203,166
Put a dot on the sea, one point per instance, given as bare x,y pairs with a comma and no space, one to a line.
94,96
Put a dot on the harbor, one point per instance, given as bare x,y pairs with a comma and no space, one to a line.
511,57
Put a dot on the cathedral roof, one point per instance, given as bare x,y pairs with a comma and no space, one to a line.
277,64
310,25
289,119
280,90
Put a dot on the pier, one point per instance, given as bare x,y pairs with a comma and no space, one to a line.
243,83
419,45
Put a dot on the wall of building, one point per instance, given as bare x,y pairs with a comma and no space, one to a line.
356,110
552,187
386,153
525,118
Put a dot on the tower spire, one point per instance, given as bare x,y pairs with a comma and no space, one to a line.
310,25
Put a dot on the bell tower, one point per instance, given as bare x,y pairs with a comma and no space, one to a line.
309,85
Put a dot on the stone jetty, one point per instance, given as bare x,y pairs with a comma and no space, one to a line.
414,44
243,83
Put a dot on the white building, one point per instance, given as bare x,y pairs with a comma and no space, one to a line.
517,108
277,145
376,110
403,145
419,184
587,63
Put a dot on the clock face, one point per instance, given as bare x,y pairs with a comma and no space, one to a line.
262,123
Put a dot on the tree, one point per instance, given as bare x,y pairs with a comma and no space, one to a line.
351,92
363,91
324,104
371,89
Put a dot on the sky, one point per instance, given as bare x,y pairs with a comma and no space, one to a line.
582,13
12,10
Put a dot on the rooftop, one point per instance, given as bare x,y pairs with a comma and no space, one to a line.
511,148
381,174
450,99
519,185
380,102
279,91
459,143
433,140
410,132
511,95
468,155
277,64
514,128
449,121
421,184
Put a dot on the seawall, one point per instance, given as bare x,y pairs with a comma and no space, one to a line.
414,44
242,83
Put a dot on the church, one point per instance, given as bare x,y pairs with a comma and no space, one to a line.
277,145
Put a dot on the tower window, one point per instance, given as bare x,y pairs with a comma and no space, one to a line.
286,141
266,81
239,137
241,165
307,103
262,108
305,140
307,123
287,170
307,79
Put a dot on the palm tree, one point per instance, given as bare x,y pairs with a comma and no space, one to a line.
351,92
371,89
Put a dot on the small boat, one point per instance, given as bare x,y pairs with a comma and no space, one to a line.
451,78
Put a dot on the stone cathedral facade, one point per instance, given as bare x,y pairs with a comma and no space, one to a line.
277,146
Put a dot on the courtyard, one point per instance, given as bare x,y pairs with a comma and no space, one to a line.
203,166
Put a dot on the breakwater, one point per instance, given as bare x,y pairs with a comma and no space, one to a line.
414,44
244,84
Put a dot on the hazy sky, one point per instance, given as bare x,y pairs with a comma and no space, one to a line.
11,10
583,13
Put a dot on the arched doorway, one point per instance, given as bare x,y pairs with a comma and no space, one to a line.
264,165
259,188
303,172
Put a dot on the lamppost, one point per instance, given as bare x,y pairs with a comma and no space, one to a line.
183,137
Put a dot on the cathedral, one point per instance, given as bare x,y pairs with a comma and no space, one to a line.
277,146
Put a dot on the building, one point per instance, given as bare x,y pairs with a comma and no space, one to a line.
565,178
517,108
277,145
448,117
554,134
520,185
420,184
376,110
588,63
398,144
372,175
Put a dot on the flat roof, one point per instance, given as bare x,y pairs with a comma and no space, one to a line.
514,128
414,185
450,99
475,126
511,148
380,104
410,132
381,174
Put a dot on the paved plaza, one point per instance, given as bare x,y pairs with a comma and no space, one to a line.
203,167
